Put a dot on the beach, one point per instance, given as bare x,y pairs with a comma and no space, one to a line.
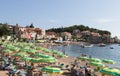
69,61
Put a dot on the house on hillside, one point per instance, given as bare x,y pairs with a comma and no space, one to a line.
66,36
77,33
30,33
50,35
95,38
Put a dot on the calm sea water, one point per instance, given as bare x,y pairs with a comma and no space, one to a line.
95,51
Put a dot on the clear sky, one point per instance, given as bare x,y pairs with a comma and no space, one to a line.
100,14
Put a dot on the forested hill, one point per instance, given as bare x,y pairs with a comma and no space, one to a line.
78,27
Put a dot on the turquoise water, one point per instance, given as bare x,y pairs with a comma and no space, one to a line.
95,51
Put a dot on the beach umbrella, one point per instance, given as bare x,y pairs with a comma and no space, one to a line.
94,59
9,46
62,55
117,74
42,55
109,71
35,60
7,51
83,58
31,51
26,59
46,50
21,54
48,60
59,53
41,48
52,70
15,49
26,48
38,48
54,52
108,61
96,64
20,44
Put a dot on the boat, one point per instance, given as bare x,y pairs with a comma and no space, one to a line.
102,45
111,48
86,45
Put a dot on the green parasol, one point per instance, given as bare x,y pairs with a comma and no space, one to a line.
31,51
42,55
109,71
94,59
26,48
52,70
108,61
41,48
7,51
54,52
117,73
83,58
96,64
48,60
21,54
35,60
15,49
26,59
46,50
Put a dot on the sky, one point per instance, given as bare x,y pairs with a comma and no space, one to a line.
46,14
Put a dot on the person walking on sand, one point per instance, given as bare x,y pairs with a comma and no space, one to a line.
81,72
73,71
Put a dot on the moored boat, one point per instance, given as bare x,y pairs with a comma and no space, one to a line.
87,45
102,45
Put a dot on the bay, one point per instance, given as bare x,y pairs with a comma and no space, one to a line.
76,50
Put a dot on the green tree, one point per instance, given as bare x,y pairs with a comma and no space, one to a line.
31,25
4,30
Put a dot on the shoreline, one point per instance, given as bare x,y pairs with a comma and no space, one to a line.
76,43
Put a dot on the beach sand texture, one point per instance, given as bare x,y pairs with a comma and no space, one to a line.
3,73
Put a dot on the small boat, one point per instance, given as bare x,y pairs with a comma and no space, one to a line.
86,45
102,45
111,48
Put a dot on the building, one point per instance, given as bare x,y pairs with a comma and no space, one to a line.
95,38
66,36
30,33
50,35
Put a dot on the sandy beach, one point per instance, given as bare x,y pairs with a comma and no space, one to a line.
68,60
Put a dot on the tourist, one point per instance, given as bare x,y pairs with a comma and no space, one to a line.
23,72
30,70
95,72
73,71
1,66
87,70
76,62
41,73
81,72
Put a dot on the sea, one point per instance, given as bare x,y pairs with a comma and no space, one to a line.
75,50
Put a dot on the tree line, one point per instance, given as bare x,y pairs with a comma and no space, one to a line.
78,27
